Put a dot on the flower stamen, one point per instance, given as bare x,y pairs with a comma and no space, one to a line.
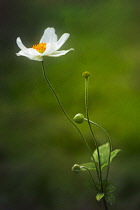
41,47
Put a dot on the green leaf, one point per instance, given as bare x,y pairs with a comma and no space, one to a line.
114,153
104,154
99,196
89,166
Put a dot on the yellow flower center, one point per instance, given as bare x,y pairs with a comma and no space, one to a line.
41,47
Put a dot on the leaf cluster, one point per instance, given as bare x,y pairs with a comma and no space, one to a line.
104,151
105,156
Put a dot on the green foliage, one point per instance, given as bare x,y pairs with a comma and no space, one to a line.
114,153
108,192
99,196
104,154
89,166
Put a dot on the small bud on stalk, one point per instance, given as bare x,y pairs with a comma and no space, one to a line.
79,118
86,74
76,168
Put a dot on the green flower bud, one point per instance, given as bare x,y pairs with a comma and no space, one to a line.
86,74
79,118
76,168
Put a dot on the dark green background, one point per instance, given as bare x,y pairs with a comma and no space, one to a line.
38,145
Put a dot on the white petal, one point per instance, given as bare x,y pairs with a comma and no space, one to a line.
49,36
37,58
62,40
28,51
29,56
33,52
22,53
20,44
51,48
59,53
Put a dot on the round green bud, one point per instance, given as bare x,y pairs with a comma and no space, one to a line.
86,74
76,168
79,118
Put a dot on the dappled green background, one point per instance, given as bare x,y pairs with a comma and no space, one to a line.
38,145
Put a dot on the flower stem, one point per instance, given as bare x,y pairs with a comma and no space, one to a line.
91,177
87,115
61,106
110,146
105,203
95,141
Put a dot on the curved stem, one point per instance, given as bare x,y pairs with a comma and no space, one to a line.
91,177
104,200
110,145
61,106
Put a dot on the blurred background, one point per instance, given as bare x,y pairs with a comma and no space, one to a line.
38,145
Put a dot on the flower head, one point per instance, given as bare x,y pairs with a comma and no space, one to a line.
48,46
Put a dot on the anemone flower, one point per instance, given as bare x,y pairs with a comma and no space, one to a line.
48,46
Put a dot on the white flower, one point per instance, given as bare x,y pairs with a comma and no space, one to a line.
48,46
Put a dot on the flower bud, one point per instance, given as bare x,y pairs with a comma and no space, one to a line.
86,74
76,168
79,118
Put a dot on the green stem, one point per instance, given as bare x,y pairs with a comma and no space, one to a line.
91,177
96,145
105,203
61,106
95,141
104,200
110,146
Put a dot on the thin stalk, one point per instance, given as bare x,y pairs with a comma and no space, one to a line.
110,145
87,115
105,203
96,144
91,177
104,200
61,106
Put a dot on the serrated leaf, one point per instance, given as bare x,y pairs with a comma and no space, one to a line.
104,154
99,196
89,166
